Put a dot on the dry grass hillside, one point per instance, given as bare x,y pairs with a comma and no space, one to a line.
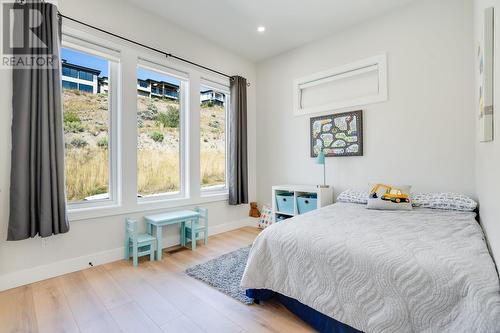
86,138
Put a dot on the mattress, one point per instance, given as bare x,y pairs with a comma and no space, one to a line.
422,270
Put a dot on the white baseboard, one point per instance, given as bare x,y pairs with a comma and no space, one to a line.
220,228
39,273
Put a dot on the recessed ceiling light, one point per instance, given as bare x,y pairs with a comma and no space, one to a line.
261,28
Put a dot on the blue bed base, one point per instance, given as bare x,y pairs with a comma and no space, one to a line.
317,320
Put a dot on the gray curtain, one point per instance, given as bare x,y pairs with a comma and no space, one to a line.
238,166
37,191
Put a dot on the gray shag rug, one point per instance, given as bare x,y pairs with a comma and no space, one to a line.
224,273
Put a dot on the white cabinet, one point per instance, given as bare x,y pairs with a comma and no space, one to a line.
295,199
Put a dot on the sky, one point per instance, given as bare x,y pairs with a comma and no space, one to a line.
86,60
95,62
144,74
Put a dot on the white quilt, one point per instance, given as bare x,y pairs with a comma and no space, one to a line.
382,271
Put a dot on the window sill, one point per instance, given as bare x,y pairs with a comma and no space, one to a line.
214,192
143,207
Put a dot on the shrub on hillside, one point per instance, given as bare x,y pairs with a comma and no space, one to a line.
171,118
71,117
150,114
103,142
78,142
73,127
156,136
208,104
152,108
214,124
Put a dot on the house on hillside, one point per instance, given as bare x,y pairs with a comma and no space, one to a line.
211,96
153,88
103,85
79,77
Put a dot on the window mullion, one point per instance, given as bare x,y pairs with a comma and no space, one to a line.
128,141
194,137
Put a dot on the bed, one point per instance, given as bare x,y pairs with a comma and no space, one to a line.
345,268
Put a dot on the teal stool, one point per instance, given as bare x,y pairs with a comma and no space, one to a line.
137,245
200,228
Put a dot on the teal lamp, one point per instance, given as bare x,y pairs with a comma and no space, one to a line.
321,160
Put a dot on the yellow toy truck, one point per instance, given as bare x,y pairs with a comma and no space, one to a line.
391,194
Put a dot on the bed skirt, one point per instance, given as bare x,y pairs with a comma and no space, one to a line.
317,320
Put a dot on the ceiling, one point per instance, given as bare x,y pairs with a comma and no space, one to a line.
232,24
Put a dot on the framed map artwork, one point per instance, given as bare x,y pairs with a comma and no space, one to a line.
339,134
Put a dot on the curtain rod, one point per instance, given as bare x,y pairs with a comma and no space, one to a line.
166,54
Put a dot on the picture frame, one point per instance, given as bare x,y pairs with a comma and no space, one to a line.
339,134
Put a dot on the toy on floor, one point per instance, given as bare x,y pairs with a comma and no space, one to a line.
254,211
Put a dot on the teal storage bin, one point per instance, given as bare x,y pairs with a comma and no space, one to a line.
284,202
306,203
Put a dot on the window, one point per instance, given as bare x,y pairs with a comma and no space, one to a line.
171,93
159,139
359,83
69,85
87,129
213,138
148,168
86,76
86,88
68,71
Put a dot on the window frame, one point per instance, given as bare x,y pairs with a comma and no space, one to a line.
183,129
114,91
224,89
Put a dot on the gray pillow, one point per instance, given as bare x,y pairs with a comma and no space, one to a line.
444,200
353,196
389,197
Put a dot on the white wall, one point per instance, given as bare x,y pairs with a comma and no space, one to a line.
424,135
100,239
488,153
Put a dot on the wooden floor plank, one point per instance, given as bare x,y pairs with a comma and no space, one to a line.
158,308
132,319
17,311
181,324
110,292
191,305
88,310
154,297
52,309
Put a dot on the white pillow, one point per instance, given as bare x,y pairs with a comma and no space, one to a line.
444,200
353,196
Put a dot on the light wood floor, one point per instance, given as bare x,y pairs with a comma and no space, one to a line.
154,297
